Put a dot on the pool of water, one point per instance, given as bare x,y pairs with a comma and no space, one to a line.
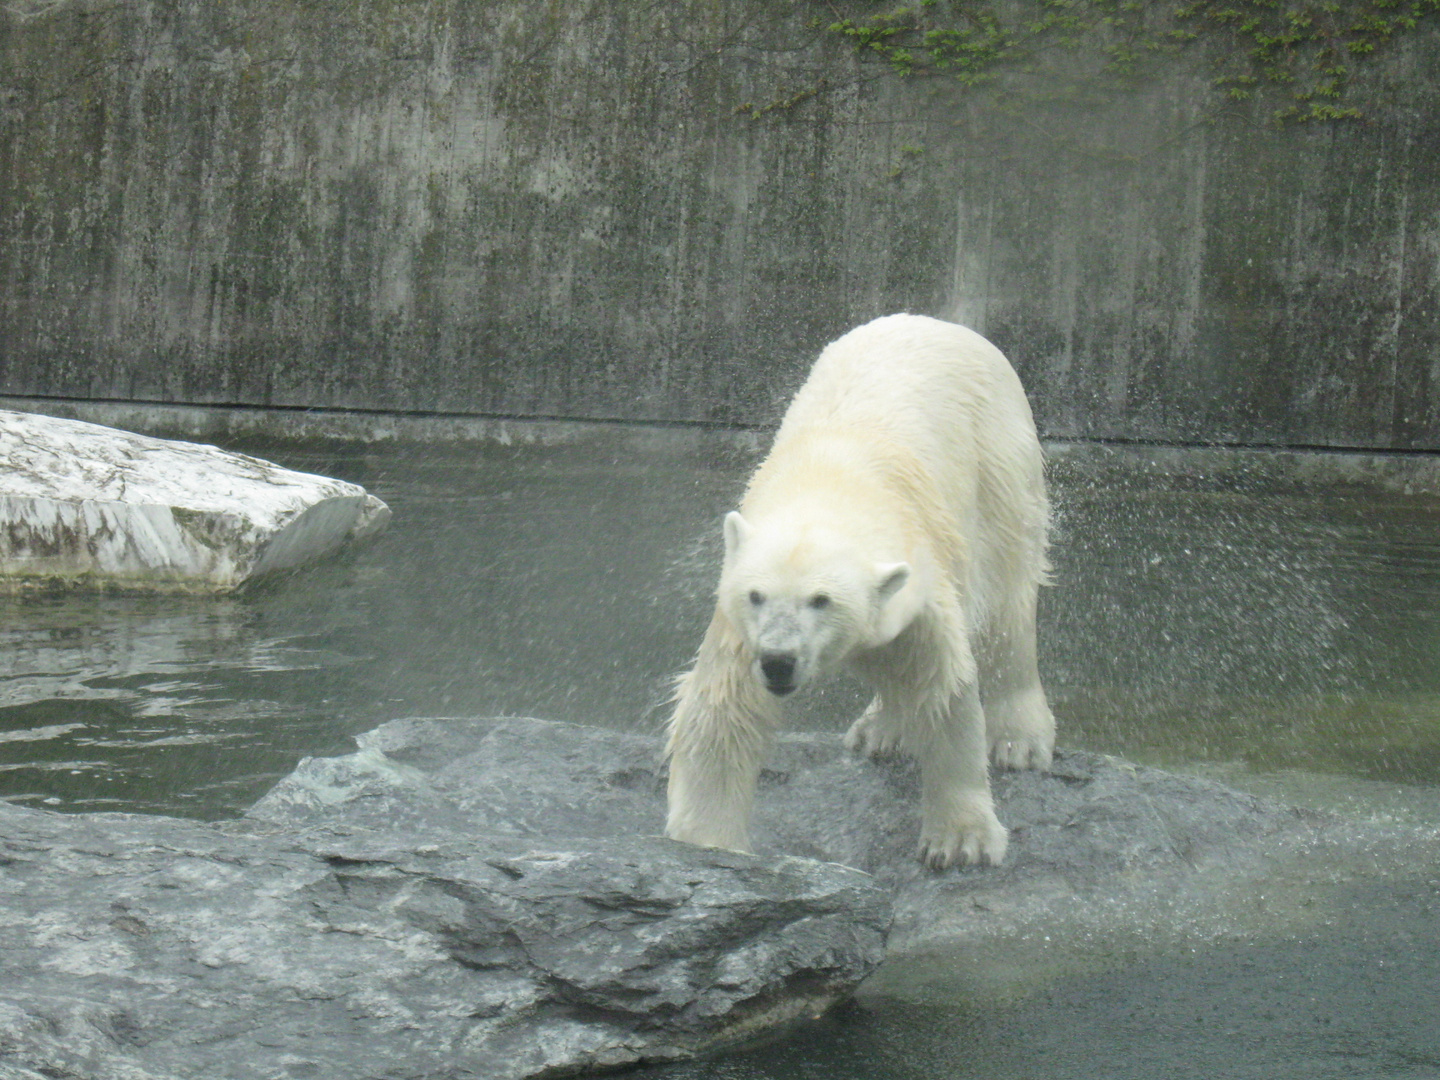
1232,626
546,582
1283,637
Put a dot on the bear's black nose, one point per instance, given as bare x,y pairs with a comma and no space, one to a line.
779,671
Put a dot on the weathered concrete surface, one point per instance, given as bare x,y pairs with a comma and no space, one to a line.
524,209
87,505
487,897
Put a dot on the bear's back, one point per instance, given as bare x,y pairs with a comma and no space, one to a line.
932,386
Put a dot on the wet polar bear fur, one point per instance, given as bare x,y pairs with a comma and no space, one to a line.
898,526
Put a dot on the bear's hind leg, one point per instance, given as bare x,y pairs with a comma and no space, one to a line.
1018,722
877,734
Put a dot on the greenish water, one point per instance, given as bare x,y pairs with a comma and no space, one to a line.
1255,630
1281,639
1283,630
537,582
1353,1000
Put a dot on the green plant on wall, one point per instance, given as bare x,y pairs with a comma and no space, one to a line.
1302,54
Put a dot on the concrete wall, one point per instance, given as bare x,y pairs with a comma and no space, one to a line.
535,208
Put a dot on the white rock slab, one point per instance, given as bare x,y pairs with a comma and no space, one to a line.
82,504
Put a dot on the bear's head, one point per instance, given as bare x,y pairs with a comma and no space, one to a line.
805,599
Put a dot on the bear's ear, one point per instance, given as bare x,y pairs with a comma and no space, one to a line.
896,606
893,577
737,531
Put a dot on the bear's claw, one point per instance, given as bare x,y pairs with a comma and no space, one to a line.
980,844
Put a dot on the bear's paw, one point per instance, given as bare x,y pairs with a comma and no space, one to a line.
1018,752
872,735
972,836
1021,730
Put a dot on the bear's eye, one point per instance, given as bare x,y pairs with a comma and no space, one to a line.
757,597
819,601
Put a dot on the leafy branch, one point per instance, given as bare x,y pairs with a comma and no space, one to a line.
1305,52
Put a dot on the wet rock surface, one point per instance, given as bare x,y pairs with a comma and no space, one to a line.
82,504
371,928
489,897
1093,833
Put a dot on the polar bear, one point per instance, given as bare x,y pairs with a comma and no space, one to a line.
898,526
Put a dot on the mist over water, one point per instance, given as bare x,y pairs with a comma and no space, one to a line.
1279,629
520,582
1188,624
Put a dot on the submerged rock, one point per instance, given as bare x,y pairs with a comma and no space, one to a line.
82,504
488,897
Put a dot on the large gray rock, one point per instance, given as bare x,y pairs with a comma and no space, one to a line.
344,945
85,504
489,898
1094,837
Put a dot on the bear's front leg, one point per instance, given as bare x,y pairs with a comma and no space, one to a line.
710,800
718,734
957,813
1018,721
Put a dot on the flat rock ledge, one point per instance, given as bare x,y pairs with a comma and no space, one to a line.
488,898
85,505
